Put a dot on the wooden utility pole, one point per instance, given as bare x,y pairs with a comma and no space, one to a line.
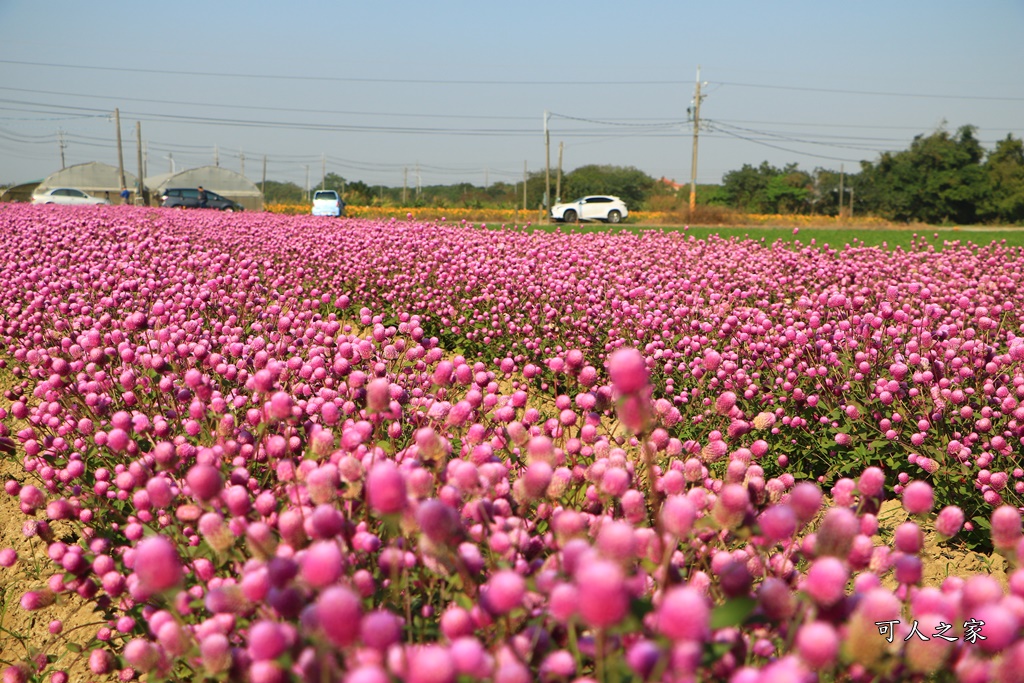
558,183
547,163
693,161
138,149
120,151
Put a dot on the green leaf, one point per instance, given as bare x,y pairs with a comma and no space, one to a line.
732,613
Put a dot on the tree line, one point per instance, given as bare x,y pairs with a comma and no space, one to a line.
940,178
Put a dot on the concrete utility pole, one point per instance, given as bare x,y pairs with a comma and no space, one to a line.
558,183
263,185
241,159
323,171
842,175
524,185
405,185
120,152
60,142
138,149
307,182
547,163
693,162
216,155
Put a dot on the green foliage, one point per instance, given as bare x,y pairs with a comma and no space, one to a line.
627,183
1005,169
939,179
767,189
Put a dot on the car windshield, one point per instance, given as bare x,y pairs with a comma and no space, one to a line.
325,195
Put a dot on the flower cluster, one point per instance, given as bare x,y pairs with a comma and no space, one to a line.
271,448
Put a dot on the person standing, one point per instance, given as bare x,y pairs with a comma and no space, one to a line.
202,197
124,195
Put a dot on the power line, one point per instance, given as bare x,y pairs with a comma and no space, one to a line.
333,79
874,93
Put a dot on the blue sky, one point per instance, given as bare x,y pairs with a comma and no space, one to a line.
446,92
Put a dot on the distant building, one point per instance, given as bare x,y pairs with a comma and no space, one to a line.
226,183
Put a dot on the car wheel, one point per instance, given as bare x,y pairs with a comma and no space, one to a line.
228,209
569,216
614,217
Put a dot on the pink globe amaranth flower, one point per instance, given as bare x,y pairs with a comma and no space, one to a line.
908,538
280,406
918,498
677,515
215,651
817,643
949,521
141,654
338,613
684,614
380,630
503,592
8,556
438,521
826,581
385,488
367,673
430,664
265,640
204,481
778,522
378,395
872,482
1001,626
1006,527
322,564
805,499
725,402
627,370
156,564
602,597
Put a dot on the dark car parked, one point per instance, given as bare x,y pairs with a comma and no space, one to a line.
188,198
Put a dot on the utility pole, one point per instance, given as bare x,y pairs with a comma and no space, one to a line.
263,185
60,138
405,185
418,180
547,163
241,157
138,149
841,179
323,171
216,156
693,161
170,161
120,152
486,180
558,183
851,202
307,182
524,185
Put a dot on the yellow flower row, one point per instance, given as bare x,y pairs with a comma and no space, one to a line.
512,216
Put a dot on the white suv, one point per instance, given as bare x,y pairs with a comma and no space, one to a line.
593,208
328,203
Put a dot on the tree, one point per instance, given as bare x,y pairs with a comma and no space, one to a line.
625,182
937,180
1005,169
767,189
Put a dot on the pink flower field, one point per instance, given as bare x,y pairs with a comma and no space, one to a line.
271,448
